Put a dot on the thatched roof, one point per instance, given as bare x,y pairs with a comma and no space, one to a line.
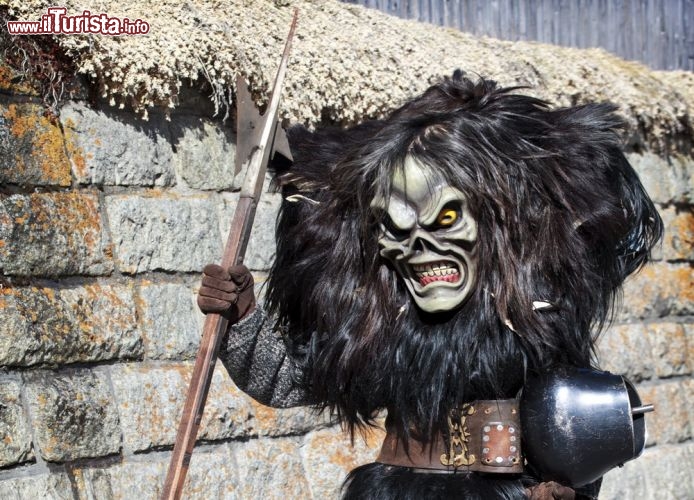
348,62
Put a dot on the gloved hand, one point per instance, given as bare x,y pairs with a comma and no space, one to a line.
229,293
550,491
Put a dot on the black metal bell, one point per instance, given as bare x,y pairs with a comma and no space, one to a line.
578,424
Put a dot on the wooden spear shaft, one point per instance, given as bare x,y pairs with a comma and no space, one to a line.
215,324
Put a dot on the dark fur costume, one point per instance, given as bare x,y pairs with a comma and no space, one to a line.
562,218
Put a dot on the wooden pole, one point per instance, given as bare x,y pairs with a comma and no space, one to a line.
216,325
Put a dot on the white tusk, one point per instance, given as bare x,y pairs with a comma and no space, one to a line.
401,310
541,304
508,323
295,198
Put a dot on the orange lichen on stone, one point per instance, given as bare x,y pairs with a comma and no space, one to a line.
76,216
93,325
6,295
339,449
141,305
157,192
5,77
40,146
51,154
373,436
74,152
51,445
185,370
108,251
680,235
685,278
265,417
659,289
12,82
341,455
54,233
97,292
19,131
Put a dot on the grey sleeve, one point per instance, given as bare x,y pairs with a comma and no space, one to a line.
256,358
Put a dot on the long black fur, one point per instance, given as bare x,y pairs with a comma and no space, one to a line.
562,218
400,483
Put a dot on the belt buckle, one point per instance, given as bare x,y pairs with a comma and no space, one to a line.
459,436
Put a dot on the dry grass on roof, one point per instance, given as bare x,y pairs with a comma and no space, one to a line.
348,62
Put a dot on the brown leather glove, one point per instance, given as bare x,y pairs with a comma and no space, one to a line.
229,293
550,491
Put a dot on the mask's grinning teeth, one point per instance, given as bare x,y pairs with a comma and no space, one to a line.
436,271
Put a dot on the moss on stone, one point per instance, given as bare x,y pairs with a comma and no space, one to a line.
348,63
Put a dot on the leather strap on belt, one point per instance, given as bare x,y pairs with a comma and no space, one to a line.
484,436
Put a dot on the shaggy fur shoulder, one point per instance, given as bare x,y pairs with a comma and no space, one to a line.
562,218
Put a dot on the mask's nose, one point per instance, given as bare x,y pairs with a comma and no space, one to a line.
418,241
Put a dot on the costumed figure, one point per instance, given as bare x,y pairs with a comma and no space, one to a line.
432,263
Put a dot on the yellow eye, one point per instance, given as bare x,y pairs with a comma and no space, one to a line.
447,217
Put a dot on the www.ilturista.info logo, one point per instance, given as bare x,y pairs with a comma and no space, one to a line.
55,22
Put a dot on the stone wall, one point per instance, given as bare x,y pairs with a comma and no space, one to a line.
106,221
652,341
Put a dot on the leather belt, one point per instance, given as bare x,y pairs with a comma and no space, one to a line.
483,436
